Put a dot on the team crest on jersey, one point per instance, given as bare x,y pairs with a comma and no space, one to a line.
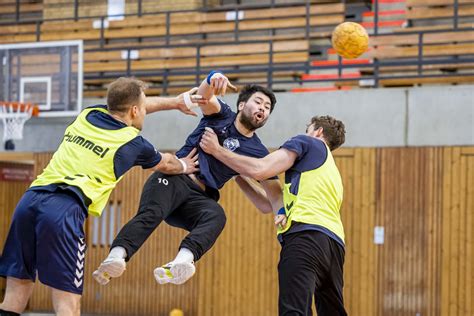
231,143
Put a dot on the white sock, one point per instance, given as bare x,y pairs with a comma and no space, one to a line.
184,255
117,252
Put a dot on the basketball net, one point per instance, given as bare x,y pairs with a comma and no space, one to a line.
14,116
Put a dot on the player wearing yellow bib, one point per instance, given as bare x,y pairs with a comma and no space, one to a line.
310,226
47,231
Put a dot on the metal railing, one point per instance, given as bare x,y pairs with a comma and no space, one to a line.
271,68
204,8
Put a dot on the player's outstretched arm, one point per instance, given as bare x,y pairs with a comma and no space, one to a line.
257,168
215,84
266,196
183,102
254,193
169,164
274,192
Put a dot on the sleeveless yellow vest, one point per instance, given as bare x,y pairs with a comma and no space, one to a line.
319,198
85,159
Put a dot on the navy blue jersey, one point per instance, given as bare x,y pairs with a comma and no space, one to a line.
312,153
214,173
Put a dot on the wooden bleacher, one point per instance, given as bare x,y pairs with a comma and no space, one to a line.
216,56
27,10
401,47
435,44
442,44
285,26
184,24
427,16
438,9
173,50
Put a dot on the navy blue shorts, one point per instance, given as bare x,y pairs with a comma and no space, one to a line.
47,236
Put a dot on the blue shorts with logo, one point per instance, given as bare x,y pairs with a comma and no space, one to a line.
47,237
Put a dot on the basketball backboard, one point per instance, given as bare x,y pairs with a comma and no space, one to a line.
45,73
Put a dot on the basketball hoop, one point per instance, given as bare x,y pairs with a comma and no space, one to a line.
14,115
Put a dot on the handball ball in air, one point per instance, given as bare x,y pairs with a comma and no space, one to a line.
350,40
176,312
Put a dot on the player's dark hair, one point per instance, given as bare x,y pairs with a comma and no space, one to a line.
334,130
123,93
248,90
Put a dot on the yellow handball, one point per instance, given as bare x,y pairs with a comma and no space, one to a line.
176,312
350,40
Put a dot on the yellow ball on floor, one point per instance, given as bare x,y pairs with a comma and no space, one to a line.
176,312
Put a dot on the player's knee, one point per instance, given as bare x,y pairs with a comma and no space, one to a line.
149,216
66,303
219,218
68,308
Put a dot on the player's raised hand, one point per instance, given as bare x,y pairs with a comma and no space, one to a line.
209,142
219,84
188,100
191,161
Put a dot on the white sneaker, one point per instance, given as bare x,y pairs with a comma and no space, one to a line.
176,273
101,277
109,268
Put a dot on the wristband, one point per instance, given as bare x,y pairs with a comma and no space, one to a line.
187,100
209,76
281,211
183,164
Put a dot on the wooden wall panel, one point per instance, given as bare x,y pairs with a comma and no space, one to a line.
244,277
423,197
409,179
357,167
457,248
10,194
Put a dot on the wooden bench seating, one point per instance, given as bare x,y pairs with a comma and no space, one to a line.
188,29
180,57
27,10
399,47
428,38
177,18
433,27
286,26
426,9
9,7
438,68
424,3
421,10
177,84
212,56
397,82
408,82
390,52
444,12
177,41
182,24
434,44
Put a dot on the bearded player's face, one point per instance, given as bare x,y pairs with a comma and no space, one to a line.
255,112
